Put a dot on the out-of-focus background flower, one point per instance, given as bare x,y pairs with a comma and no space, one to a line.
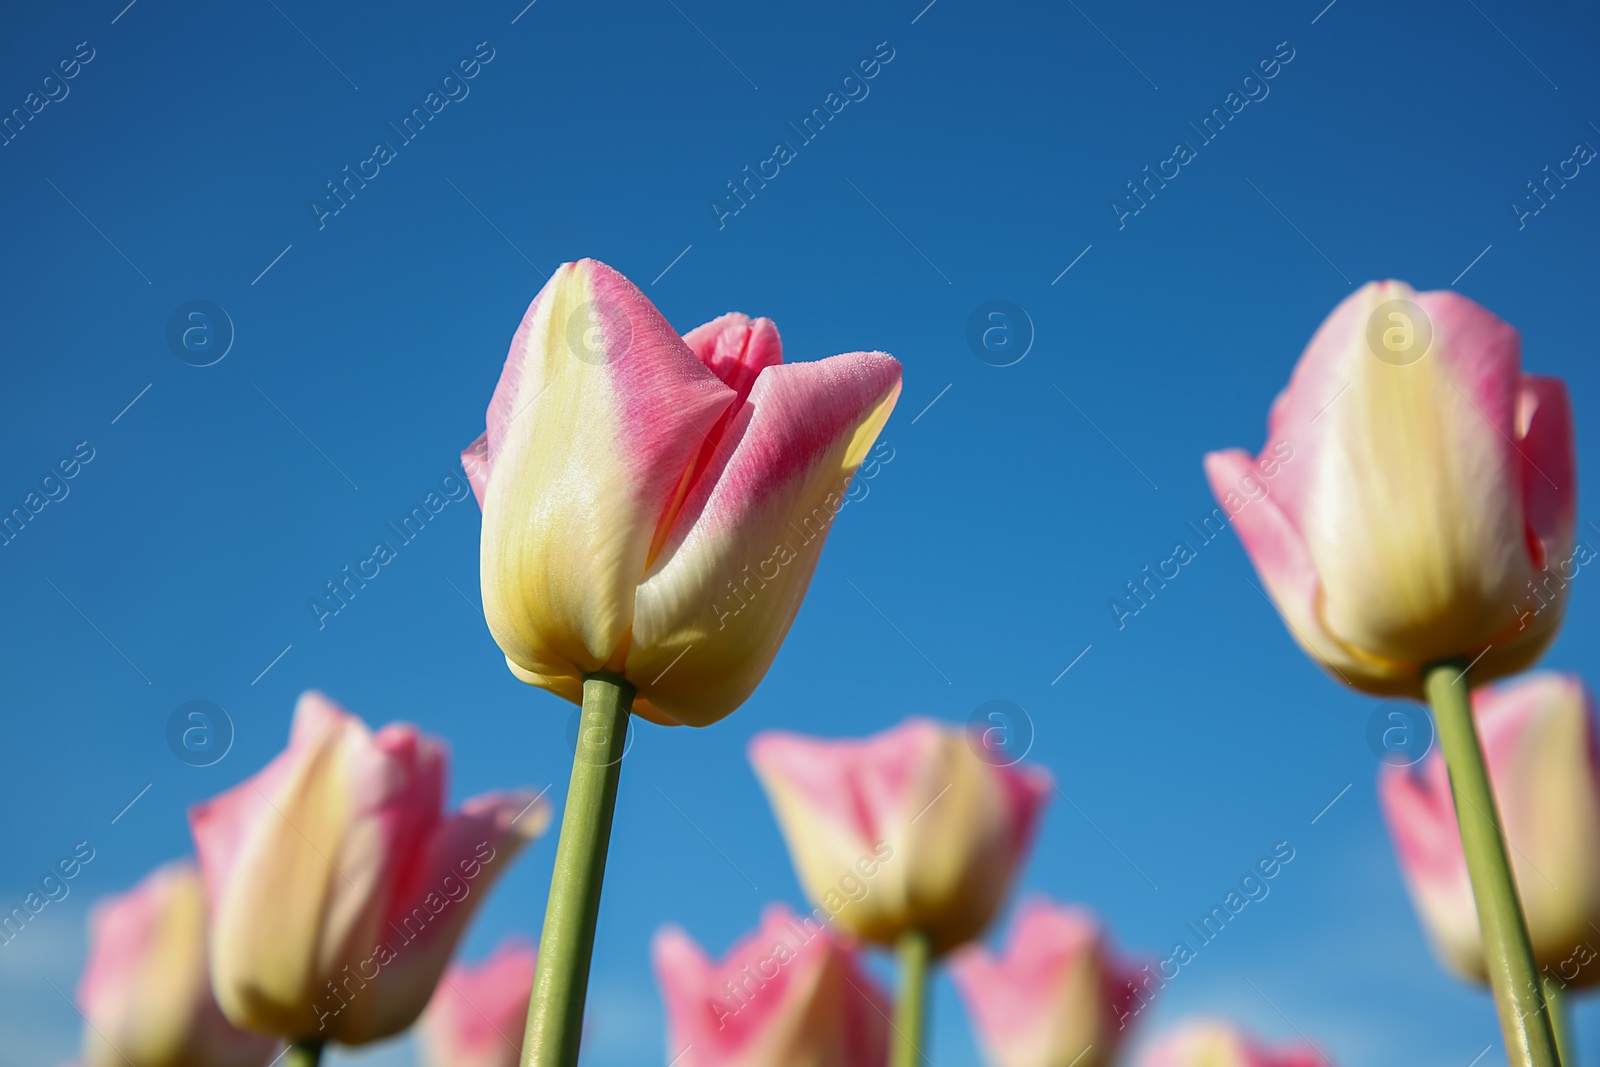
1037,463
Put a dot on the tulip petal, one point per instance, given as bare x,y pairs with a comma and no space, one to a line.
314,840
146,991
1416,524
737,348
1283,561
1214,1043
751,531
476,1017
470,849
791,992
1056,996
278,844
600,414
941,830
475,461
1542,745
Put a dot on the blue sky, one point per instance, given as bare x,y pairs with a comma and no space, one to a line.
182,162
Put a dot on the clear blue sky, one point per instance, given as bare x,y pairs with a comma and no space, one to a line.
181,165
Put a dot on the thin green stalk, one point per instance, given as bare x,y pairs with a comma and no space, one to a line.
555,1013
1524,1021
1555,999
303,1054
911,1007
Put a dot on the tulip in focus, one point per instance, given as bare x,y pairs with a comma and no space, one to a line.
1538,735
476,1016
907,831
654,505
1415,501
336,884
1212,1043
146,992
793,993
1056,996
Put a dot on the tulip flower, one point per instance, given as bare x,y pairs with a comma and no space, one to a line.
1056,997
337,887
1414,507
793,993
1540,742
910,838
1212,1043
146,991
654,506
477,1014
1414,489
653,509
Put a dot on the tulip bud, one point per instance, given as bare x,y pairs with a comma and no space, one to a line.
1057,997
653,505
1213,1043
337,887
146,993
1539,740
1416,498
909,830
792,992
477,1014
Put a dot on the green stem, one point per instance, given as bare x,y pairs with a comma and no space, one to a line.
1524,1022
303,1054
1555,999
911,1007
555,1013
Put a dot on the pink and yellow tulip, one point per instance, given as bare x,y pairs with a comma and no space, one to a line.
654,505
476,1016
1056,996
146,991
1414,487
792,993
1539,737
336,885
1213,1043
942,830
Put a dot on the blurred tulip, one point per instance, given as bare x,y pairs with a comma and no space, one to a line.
1538,735
1213,1043
645,494
1414,488
146,992
1055,998
337,887
910,830
791,994
477,1014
